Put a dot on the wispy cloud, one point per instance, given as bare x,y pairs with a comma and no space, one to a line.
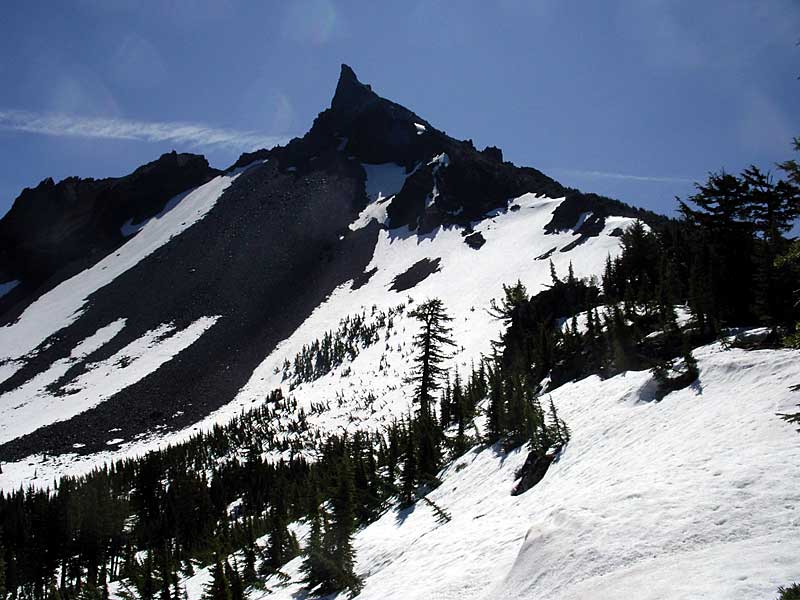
627,176
192,134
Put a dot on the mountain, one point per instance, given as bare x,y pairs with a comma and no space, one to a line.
175,282
248,323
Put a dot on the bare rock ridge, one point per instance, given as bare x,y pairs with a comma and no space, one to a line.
57,229
375,130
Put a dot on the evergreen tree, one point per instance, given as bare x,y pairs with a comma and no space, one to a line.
235,581
280,549
317,568
496,421
249,575
409,474
219,586
432,342
148,587
2,571
789,593
343,523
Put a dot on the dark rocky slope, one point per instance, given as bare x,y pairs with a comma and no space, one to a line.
57,229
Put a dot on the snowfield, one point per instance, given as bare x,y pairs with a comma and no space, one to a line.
692,497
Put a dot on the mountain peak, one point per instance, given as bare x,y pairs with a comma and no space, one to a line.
351,95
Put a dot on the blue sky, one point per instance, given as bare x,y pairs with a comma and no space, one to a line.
631,98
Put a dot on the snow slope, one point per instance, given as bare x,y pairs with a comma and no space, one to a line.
691,497
33,405
467,280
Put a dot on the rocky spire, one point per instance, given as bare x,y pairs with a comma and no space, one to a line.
351,96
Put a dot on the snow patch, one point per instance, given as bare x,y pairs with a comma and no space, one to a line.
383,182
33,405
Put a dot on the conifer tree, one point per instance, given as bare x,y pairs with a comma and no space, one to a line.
280,548
249,575
148,587
495,423
2,571
235,581
343,523
219,587
317,567
553,275
409,475
445,405
102,584
432,342
513,297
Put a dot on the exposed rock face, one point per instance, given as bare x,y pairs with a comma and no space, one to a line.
79,220
534,469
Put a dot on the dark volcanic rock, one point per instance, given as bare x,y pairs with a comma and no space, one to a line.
547,254
363,279
575,204
475,240
534,470
79,220
417,272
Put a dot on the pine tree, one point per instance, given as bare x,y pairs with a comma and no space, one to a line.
2,571
789,593
553,275
432,342
235,581
317,567
249,575
496,422
409,475
148,587
219,587
445,406
343,523
513,297
280,549
53,592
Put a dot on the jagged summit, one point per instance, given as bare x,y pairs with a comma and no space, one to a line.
351,96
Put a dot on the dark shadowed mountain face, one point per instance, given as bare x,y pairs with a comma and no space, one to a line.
57,229
274,245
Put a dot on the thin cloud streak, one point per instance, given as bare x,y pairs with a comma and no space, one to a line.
626,176
192,134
